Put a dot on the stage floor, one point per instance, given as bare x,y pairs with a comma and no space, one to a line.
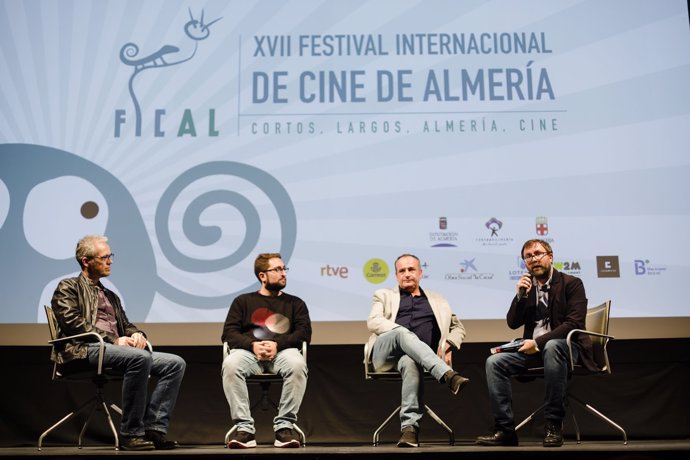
591,450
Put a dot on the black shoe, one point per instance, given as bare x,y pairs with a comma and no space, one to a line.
553,434
499,438
286,437
455,381
242,440
159,440
409,437
135,443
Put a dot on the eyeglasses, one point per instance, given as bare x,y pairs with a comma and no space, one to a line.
535,257
278,270
105,257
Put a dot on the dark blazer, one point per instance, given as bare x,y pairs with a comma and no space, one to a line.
568,310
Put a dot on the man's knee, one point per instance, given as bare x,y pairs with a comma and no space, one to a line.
556,348
401,335
179,364
492,362
140,359
294,364
234,364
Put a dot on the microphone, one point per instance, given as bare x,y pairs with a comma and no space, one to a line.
522,292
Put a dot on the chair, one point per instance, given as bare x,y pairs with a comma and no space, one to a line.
264,380
394,376
597,327
77,372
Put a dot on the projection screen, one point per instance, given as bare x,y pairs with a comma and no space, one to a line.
196,135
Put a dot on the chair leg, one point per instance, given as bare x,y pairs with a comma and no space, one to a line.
98,402
432,414
301,434
86,405
529,417
266,403
111,424
442,424
229,433
98,405
86,422
572,415
385,423
602,417
115,408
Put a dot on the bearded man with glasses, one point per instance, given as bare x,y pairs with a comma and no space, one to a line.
548,304
265,330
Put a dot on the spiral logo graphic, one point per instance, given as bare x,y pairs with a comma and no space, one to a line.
203,235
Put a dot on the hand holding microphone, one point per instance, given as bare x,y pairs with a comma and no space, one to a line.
524,285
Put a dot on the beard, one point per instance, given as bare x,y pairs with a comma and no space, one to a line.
541,272
276,287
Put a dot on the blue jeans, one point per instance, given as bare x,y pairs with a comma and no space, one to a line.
501,366
239,364
401,349
137,365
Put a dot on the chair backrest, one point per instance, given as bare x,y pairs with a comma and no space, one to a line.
597,321
368,366
52,322
53,329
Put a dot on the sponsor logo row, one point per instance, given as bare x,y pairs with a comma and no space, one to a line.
376,270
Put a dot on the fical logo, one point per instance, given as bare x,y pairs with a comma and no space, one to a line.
168,55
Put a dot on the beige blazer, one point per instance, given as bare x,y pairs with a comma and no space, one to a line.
384,309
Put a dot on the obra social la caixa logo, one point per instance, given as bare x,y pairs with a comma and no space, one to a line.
195,30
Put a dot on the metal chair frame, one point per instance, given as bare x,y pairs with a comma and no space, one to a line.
99,377
394,376
264,380
597,326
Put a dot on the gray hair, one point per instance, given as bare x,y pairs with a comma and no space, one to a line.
86,247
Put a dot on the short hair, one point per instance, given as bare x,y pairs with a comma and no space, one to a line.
395,264
261,262
86,247
546,246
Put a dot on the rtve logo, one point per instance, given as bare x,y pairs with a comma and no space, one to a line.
329,271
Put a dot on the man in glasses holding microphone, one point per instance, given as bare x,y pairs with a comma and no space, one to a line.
549,304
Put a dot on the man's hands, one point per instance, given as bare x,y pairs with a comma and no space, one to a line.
137,340
529,347
265,350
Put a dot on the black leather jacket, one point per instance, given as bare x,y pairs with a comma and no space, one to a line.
75,304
